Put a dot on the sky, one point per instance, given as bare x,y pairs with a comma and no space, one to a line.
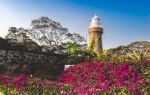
124,21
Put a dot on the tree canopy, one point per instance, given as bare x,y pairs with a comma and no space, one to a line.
49,34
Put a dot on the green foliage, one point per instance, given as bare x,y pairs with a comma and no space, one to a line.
33,89
137,56
4,44
31,46
91,45
101,56
134,56
77,55
119,91
72,48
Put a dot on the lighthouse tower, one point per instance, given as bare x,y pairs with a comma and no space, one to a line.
95,34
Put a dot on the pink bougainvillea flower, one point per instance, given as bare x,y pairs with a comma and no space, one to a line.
5,80
19,81
87,77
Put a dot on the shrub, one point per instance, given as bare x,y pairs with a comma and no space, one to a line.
22,85
4,44
102,78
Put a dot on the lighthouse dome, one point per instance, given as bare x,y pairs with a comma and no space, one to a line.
95,17
95,23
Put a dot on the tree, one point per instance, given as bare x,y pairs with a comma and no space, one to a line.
47,33
18,39
51,34
12,34
17,35
31,46
4,43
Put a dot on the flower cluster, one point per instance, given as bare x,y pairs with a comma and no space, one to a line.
5,80
98,78
88,78
19,82
23,85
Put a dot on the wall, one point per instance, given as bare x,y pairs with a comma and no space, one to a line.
9,56
15,62
20,57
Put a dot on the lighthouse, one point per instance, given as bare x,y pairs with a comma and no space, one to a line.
95,32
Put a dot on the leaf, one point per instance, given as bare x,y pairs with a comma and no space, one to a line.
91,45
136,55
